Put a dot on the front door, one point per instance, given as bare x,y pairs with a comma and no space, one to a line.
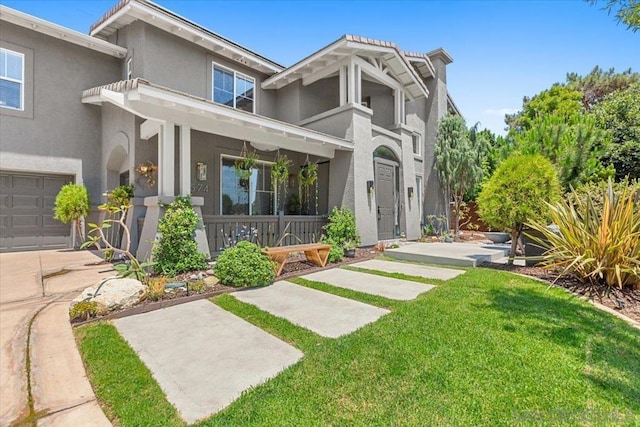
385,198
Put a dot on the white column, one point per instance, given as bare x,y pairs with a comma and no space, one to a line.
351,92
343,85
166,159
399,106
358,84
185,160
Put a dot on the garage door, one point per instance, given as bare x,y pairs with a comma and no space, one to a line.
26,212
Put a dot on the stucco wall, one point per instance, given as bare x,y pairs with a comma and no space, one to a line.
382,103
62,135
319,97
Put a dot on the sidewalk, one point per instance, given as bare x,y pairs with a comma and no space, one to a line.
34,315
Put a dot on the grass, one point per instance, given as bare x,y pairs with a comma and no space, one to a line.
486,348
400,276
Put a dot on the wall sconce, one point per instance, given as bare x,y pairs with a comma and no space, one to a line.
148,170
201,171
410,192
370,188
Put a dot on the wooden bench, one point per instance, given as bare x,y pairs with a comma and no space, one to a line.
316,253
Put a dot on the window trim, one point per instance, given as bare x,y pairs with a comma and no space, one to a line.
275,190
417,154
215,64
419,195
21,82
130,68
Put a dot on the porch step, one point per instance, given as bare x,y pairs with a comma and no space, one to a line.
457,254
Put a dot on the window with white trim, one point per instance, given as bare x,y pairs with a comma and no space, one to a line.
130,68
419,197
253,196
417,144
11,79
234,89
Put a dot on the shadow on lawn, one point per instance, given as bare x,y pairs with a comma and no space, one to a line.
609,348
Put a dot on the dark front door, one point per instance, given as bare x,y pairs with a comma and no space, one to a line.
385,198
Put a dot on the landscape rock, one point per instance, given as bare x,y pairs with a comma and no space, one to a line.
114,294
209,272
211,280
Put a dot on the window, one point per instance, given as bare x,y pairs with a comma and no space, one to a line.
130,68
11,79
233,89
419,198
254,196
417,144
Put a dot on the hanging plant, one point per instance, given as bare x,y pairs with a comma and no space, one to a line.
245,164
307,177
148,171
280,170
279,176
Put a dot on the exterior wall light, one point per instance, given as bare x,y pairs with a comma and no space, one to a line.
370,188
201,171
410,192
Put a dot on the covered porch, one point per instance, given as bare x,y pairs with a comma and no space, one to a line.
194,143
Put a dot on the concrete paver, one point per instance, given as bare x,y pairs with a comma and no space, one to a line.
231,355
370,284
409,269
86,415
462,254
325,314
21,298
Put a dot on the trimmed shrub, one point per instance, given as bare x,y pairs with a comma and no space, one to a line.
517,193
337,251
341,227
598,244
72,205
176,251
244,265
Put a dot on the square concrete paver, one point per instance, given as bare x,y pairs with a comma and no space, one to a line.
325,314
203,357
370,283
409,269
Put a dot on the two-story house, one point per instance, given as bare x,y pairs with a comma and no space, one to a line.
152,99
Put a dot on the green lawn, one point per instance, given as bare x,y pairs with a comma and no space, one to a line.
486,348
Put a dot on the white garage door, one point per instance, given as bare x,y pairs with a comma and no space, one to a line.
26,212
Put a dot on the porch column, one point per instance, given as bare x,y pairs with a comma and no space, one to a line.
166,159
358,83
351,87
399,106
185,160
343,86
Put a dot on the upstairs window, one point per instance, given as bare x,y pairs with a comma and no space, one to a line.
11,79
233,89
417,144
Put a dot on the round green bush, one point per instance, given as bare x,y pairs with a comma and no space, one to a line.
341,227
244,265
72,203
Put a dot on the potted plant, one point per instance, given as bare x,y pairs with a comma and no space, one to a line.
307,177
244,165
279,176
349,247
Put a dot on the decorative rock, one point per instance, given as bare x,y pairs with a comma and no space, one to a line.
114,294
211,280
193,277
209,272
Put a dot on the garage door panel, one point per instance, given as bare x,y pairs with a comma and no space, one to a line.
26,202
26,212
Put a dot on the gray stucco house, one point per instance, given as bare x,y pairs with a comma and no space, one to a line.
148,87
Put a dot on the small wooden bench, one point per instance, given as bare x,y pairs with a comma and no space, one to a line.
316,253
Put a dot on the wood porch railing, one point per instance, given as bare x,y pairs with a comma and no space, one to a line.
268,230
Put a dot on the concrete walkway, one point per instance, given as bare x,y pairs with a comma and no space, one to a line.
409,269
325,314
462,254
60,391
370,284
203,369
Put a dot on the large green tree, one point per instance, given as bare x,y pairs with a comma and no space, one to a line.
619,115
596,85
559,100
626,11
459,153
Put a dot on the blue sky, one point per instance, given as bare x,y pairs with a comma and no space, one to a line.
502,50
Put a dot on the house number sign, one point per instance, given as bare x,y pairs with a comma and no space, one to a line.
200,188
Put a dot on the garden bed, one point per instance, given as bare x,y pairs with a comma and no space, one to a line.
297,266
625,301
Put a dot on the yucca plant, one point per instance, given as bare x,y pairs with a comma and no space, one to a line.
601,246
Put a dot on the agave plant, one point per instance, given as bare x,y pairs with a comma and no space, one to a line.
601,246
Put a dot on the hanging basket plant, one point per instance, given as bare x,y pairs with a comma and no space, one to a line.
245,164
280,170
307,177
148,171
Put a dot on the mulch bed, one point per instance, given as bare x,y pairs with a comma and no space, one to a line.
625,301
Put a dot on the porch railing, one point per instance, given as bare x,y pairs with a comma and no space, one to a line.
270,230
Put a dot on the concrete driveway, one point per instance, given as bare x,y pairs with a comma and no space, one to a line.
35,291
